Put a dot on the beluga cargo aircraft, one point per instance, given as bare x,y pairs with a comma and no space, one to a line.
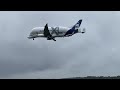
50,33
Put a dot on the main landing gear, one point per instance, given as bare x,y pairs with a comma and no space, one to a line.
33,38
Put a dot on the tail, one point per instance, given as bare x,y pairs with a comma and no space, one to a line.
74,29
77,25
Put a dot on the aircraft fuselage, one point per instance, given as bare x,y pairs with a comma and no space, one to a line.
54,31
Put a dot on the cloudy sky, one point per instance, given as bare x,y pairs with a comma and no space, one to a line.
97,52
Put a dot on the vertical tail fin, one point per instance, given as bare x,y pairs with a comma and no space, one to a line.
74,29
77,25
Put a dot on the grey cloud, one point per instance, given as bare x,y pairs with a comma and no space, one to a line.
94,53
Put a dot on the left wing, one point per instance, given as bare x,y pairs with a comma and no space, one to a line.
47,33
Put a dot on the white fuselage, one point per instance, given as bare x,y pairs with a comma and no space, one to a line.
54,31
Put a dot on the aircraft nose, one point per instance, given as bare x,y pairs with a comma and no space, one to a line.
30,34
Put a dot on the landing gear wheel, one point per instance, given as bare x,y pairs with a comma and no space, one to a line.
33,38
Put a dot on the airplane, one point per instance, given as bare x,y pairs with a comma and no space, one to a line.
52,32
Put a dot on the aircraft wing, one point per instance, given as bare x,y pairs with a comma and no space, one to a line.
47,33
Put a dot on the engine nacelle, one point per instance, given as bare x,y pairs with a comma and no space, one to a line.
48,38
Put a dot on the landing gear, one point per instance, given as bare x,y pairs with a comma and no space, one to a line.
33,38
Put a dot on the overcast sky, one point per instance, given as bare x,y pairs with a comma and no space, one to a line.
97,52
